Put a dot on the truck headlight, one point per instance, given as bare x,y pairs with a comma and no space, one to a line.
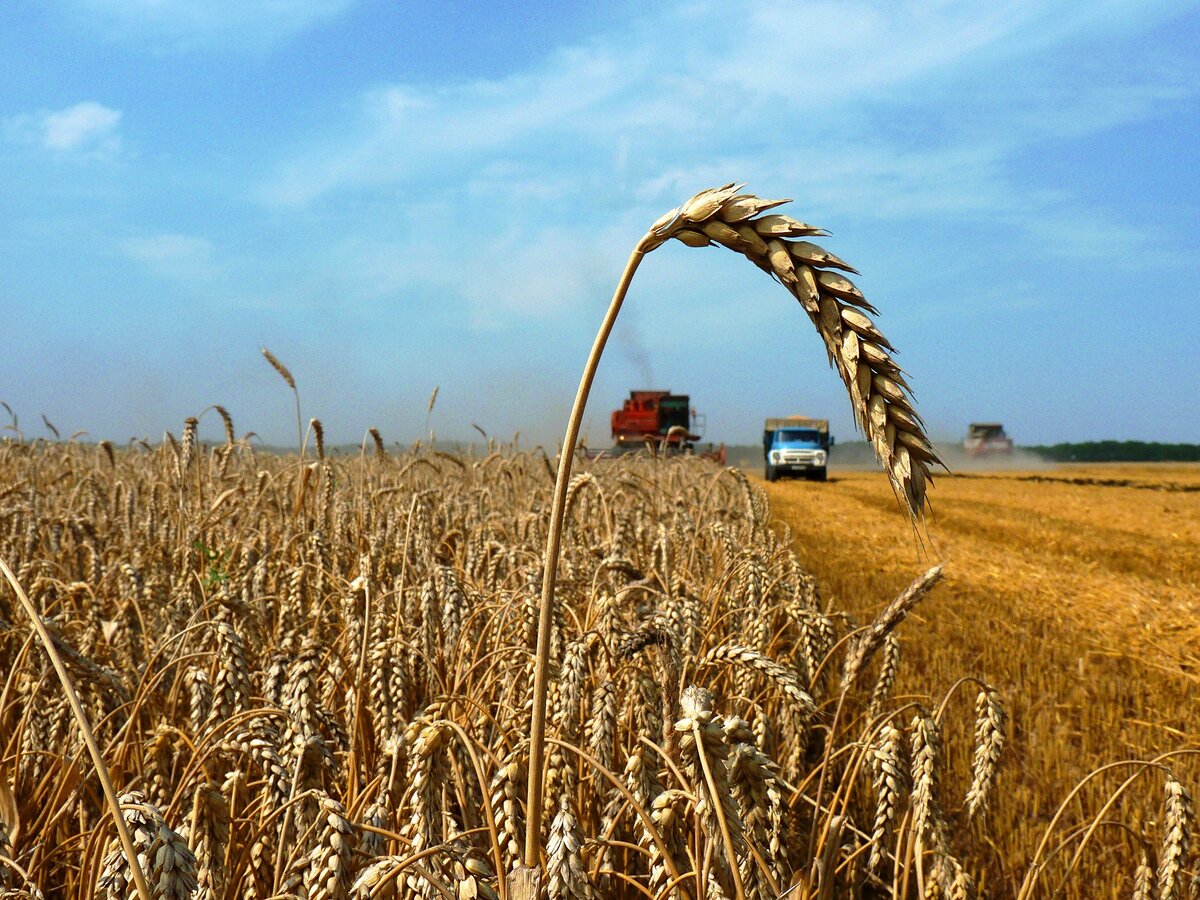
820,458
774,456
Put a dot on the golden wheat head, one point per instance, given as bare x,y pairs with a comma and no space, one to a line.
879,393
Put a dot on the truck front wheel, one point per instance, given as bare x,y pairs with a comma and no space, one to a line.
819,474
771,474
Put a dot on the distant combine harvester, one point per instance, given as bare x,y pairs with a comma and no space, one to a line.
987,439
663,421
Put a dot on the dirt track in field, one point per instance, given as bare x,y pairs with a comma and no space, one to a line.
1073,589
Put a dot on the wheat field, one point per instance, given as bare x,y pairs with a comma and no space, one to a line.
311,678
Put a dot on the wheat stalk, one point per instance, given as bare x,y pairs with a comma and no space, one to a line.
877,388
286,375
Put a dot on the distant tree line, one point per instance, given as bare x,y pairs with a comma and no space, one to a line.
1119,451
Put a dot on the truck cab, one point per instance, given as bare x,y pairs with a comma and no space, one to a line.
796,445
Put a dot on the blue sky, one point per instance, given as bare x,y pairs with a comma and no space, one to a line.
393,196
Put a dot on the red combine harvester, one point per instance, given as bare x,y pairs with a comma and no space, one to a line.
661,419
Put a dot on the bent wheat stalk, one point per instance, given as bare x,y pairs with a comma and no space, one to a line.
879,395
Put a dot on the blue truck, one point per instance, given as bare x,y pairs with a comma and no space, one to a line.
796,445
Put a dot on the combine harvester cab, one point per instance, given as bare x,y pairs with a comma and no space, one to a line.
796,445
987,439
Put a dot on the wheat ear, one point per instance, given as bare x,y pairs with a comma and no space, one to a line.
286,375
989,743
890,781
879,393
1173,855
891,616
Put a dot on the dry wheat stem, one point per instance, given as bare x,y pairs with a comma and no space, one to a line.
286,375
537,738
876,387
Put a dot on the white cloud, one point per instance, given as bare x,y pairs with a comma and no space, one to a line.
179,257
87,129
80,126
816,95
186,24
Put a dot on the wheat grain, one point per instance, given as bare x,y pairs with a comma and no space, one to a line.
209,834
783,677
704,753
169,865
1143,879
330,862
891,616
888,669
279,367
566,878
927,762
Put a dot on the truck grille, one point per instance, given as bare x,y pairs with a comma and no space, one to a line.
792,457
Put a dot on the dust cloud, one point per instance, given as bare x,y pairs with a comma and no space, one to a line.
858,455
1018,460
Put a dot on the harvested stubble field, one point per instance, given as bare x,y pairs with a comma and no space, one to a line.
1074,590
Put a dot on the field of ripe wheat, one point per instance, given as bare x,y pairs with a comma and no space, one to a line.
313,679
1072,589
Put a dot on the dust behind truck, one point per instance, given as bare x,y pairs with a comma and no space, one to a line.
796,445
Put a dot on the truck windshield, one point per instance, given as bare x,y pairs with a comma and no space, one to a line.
798,436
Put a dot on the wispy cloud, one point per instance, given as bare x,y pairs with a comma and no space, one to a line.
840,82
862,111
175,25
179,257
85,129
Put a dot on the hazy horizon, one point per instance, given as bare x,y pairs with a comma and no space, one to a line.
393,198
